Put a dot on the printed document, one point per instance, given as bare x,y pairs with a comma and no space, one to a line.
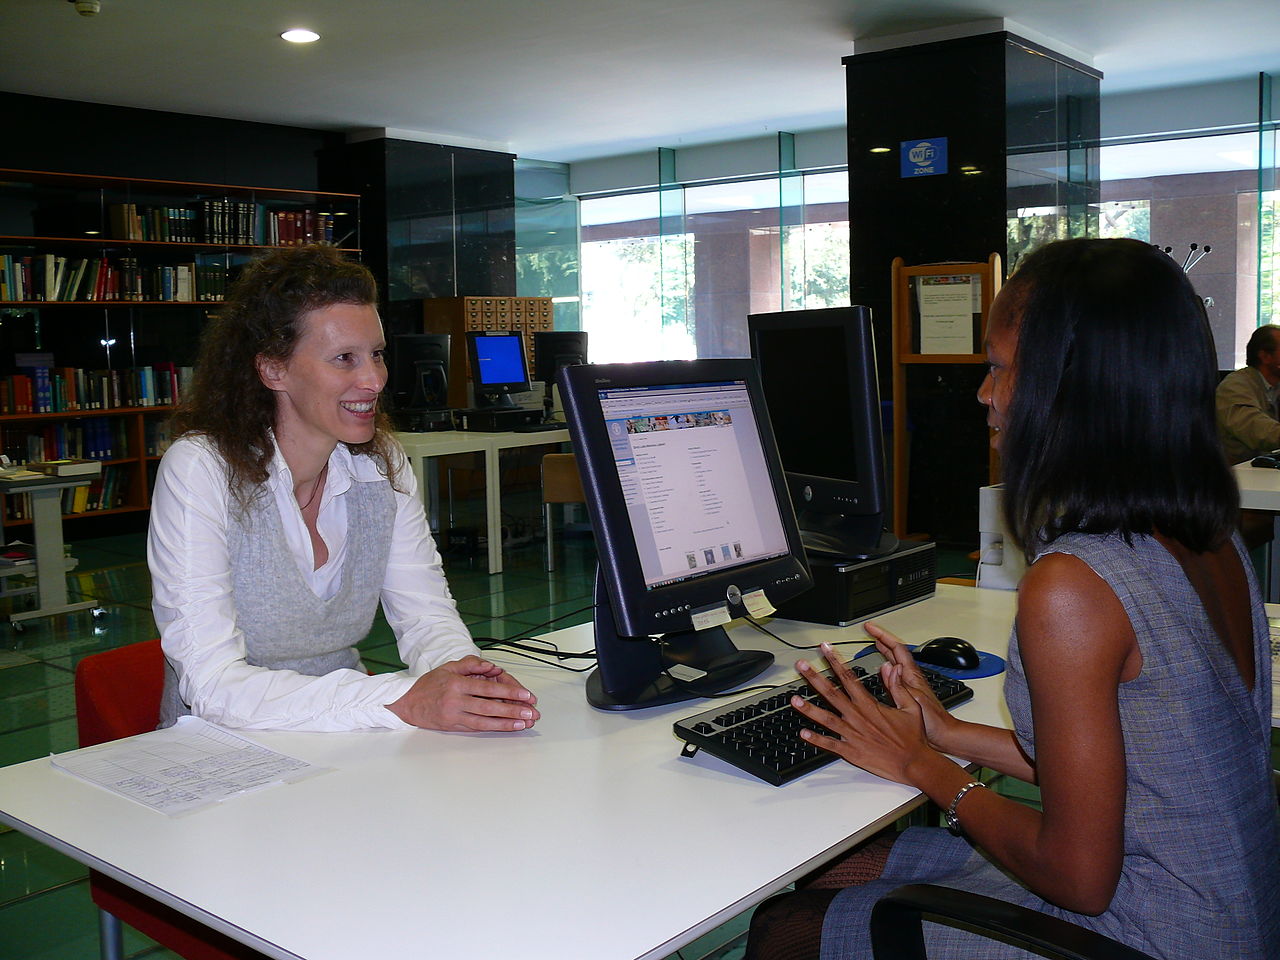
191,765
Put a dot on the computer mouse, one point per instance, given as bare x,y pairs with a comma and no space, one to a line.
951,653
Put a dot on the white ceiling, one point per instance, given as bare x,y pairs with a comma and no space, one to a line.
567,79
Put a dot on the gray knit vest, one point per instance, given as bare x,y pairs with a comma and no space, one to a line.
285,625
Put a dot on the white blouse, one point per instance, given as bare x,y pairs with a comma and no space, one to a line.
191,595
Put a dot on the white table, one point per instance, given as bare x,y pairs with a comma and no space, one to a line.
422,446
588,837
1260,490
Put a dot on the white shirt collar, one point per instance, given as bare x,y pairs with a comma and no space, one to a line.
344,470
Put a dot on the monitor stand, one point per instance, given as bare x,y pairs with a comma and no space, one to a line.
495,401
634,672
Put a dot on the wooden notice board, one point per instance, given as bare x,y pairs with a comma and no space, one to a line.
939,316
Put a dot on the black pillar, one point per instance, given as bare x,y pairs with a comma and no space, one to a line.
439,221
1020,127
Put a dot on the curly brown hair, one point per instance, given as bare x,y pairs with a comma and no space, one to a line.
227,402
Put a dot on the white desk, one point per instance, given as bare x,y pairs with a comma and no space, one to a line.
587,837
1260,490
422,446
1273,619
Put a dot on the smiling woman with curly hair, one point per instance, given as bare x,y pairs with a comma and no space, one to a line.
285,513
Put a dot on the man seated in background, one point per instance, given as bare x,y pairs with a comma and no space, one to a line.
1246,400
1247,422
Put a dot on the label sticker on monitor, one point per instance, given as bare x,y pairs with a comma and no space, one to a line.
757,604
711,617
682,671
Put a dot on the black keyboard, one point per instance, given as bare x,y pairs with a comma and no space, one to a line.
761,732
539,427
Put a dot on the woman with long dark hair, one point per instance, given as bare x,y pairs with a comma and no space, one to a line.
1139,677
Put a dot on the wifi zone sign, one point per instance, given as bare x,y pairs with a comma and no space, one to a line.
924,158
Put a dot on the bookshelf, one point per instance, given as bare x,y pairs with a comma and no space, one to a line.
939,317
105,285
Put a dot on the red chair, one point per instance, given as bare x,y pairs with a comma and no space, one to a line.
118,695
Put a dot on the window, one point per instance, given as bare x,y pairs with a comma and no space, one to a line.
736,251
1201,191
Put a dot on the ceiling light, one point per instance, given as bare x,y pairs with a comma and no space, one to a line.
881,149
300,36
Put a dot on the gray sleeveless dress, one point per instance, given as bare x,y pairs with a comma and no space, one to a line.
285,625
1201,871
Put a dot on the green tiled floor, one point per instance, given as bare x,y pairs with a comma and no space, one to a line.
45,911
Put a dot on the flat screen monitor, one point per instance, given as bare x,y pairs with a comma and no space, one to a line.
498,367
818,371
692,522
418,371
553,349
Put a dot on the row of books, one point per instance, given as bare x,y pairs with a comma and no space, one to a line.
51,278
104,492
221,220
48,389
89,438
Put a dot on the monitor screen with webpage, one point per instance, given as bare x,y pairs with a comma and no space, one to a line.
692,520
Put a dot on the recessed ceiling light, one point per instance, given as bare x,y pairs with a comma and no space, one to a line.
300,36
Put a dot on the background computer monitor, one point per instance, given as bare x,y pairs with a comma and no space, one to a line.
818,371
692,522
553,349
498,367
418,371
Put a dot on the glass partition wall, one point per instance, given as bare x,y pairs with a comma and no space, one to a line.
546,224
672,273
1211,201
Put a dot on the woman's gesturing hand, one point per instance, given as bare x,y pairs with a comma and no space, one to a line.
938,721
886,741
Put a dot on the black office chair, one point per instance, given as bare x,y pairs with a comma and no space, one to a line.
897,934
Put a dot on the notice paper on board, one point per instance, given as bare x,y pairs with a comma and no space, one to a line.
947,308
188,766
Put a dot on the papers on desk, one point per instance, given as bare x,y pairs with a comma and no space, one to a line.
191,765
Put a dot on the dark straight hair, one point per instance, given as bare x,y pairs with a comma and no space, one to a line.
1111,427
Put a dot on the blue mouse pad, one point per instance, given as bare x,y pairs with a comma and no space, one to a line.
989,665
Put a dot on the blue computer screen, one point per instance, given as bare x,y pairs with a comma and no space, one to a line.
500,359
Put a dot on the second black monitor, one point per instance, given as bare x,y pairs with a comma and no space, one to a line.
818,370
418,371
553,349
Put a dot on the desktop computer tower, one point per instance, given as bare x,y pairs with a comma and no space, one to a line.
851,591
495,419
